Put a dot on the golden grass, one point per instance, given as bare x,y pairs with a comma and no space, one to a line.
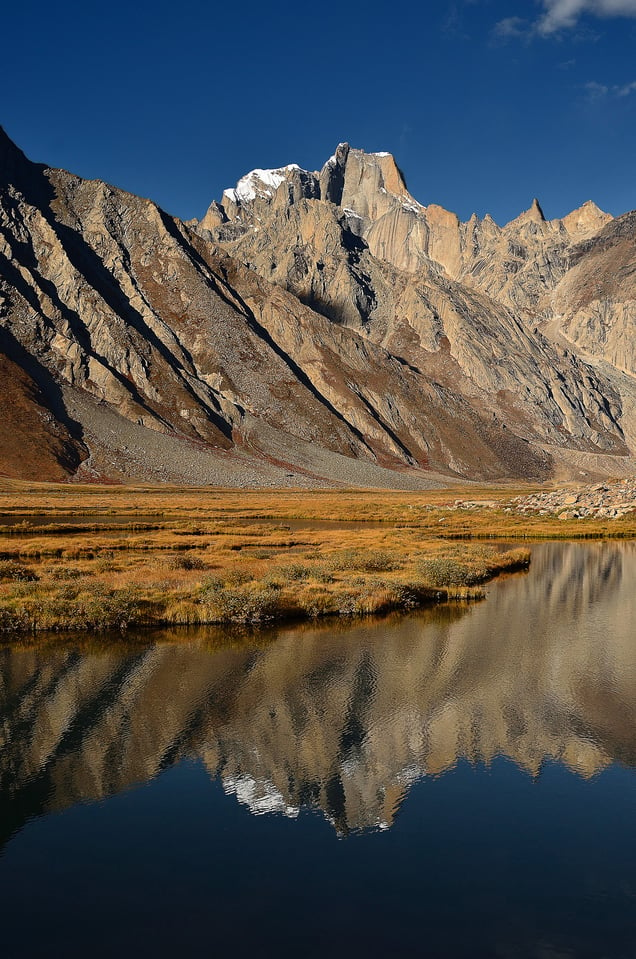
211,509
99,557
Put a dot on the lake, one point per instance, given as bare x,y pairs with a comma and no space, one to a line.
460,782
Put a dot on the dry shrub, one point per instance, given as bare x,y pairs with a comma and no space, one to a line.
366,560
364,597
67,572
237,577
514,559
323,573
355,603
217,582
68,592
183,612
248,603
103,608
71,608
479,564
290,573
315,602
441,571
14,619
185,561
12,571
107,564
19,589
76,552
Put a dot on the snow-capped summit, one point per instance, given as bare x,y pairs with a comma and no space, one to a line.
261,183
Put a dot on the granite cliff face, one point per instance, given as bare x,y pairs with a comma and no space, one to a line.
311,328
488,312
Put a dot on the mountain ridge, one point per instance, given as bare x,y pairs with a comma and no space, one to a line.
313,311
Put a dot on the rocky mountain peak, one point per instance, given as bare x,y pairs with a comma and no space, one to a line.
534,214
259,183
536,211
372,181
366,184
332,175
313,319
13,163
585,221
347,162
262,188
213,218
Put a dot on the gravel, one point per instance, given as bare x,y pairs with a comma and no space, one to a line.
125,452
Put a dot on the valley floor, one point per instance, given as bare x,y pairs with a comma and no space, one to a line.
94,557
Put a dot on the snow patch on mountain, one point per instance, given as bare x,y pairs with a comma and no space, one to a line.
259,183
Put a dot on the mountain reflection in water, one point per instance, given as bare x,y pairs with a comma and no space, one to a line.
341,719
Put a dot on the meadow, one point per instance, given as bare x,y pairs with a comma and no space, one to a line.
91,557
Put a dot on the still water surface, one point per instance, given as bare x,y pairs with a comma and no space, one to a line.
457,783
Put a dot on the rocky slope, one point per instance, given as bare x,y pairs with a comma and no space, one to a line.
603,501
307,312
595,301
473,305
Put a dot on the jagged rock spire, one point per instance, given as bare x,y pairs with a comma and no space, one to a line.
332,175
534,214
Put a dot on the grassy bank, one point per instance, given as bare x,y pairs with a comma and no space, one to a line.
97,559
432,512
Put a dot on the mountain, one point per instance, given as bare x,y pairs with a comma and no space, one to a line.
311,329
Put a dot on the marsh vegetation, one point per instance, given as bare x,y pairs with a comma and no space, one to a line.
94,557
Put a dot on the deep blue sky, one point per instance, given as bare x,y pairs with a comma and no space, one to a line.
484,104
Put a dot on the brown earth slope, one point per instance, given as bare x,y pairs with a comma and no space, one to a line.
320,325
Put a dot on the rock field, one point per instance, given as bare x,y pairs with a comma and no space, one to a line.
602,501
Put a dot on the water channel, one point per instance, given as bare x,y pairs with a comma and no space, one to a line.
459,782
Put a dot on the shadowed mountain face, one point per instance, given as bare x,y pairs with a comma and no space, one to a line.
344,720
325,323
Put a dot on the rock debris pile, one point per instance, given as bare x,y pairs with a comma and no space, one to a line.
603,501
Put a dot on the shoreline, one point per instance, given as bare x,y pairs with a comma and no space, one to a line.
173,557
